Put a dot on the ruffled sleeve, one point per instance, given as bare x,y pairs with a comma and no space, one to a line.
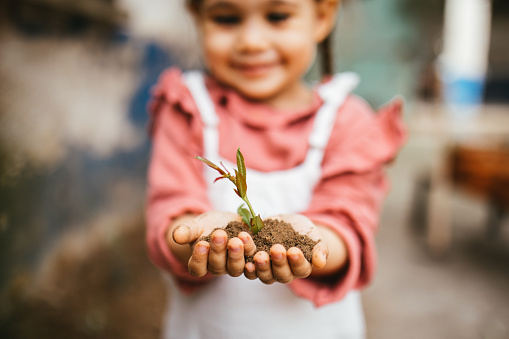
170,90
175,181
349,196
363,139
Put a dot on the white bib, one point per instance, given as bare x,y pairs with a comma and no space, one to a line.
240,308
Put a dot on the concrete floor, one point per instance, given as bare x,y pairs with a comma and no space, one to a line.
462,294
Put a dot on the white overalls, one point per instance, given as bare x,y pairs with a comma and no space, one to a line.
227,307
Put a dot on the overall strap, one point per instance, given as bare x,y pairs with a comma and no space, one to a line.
333,93
195,83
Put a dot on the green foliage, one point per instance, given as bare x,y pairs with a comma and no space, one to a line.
245,214
239,180
256,224
241,165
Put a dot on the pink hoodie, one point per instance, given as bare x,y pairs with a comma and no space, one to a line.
347,199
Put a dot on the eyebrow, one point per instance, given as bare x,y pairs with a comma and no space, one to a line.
229,5
283,2
219,5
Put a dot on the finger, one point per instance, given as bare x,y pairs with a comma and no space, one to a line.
249,245
250,271
320,254
185,233
235,263
301,268
263,269
280,268
217,254
198,262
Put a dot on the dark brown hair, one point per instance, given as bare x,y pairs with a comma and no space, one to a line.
325,47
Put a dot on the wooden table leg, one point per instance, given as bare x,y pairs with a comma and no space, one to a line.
439,226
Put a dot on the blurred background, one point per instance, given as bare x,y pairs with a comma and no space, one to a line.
75,78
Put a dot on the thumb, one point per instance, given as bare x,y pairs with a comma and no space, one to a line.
320,254
185,233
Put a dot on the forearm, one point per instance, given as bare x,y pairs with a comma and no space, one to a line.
338,254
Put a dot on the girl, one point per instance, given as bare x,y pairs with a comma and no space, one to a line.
315,158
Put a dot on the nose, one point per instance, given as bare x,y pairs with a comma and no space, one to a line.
252,37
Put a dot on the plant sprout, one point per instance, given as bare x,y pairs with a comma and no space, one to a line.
239,180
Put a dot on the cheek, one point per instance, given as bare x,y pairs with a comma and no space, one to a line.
216,46
298,48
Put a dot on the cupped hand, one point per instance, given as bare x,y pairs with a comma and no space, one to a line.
220,256
284,266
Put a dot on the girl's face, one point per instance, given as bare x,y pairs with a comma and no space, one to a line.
262,48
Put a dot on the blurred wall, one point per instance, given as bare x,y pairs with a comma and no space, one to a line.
73,141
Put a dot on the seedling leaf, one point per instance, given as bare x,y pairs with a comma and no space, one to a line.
241,165
240,182
256,224
212,165
219,178
245,214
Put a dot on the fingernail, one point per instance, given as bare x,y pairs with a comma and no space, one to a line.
261,264
294,257
277,256
202,249
218,240
245,240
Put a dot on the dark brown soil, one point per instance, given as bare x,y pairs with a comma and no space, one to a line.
274,232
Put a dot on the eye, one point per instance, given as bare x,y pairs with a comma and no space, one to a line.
226,19
276,17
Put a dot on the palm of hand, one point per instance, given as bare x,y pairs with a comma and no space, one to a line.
303,225
223,256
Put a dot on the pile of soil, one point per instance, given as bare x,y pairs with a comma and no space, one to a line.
274,232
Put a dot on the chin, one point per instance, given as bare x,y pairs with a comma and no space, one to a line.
257,95
258,91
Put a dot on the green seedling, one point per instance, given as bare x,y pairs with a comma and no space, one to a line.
239,180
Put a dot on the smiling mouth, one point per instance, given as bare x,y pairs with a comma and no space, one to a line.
253,70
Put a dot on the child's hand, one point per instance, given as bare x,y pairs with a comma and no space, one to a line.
289,265
219,257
